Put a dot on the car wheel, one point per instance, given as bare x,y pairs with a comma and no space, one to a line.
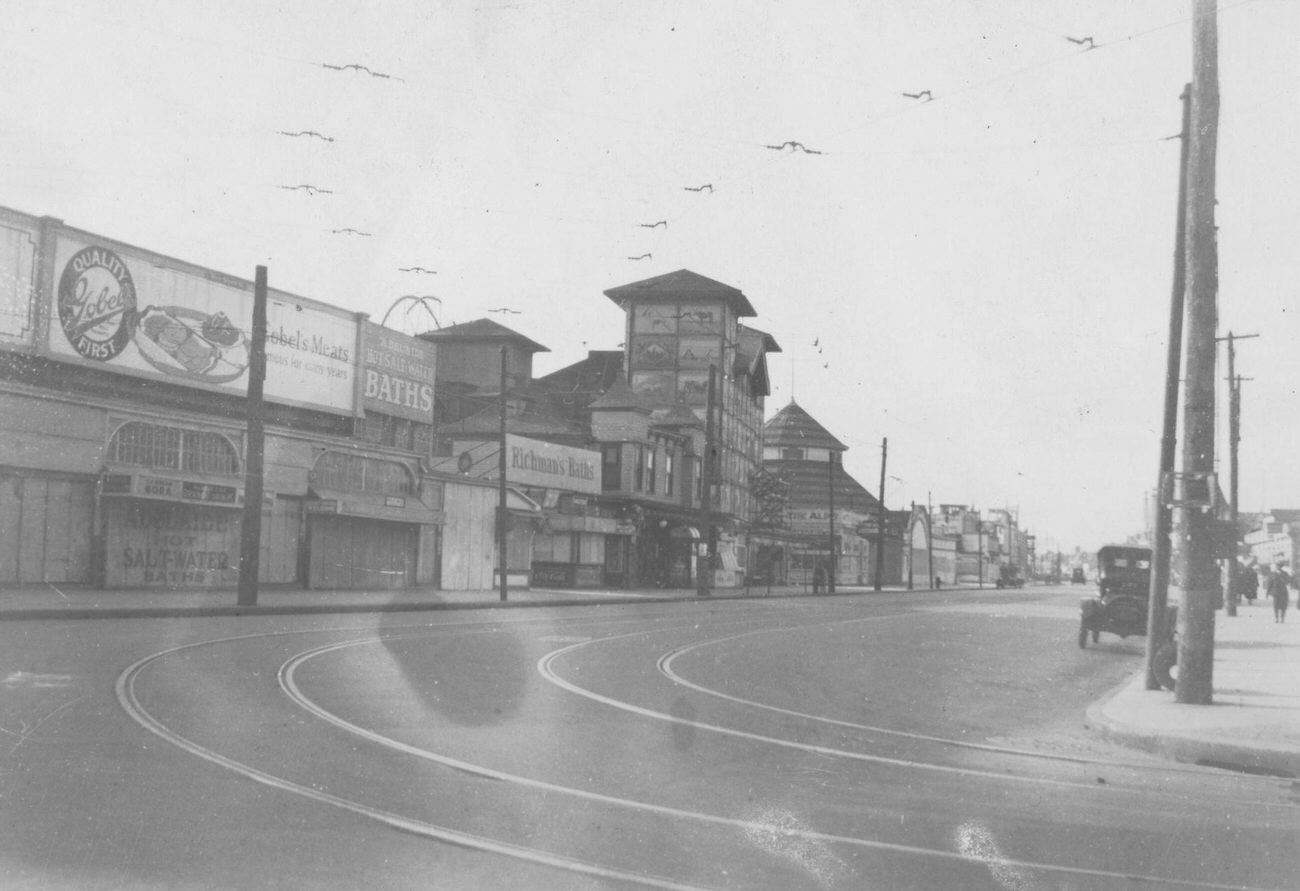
1096,636
1083,636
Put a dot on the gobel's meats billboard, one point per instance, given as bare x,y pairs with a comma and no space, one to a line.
122,312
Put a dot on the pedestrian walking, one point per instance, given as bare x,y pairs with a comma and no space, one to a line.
1279,592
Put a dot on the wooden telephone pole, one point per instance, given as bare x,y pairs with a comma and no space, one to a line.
704,554
1160,544
1200,574
503,552
1234,437
880,522
250,530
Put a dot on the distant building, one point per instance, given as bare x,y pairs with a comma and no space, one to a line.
972,548
643,413
1275,539
822,500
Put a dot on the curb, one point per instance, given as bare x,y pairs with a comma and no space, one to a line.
1188,748
183,612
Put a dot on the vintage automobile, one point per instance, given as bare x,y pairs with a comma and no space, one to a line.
1009,576
1077,576
1123,581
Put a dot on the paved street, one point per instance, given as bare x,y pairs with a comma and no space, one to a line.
923,740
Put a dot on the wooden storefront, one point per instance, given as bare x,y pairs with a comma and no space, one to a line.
47,523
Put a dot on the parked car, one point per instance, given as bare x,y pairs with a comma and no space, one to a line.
1078,577
1009,576
1123,583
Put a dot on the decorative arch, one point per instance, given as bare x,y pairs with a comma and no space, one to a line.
162,447
362,473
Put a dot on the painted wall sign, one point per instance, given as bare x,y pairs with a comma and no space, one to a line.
397,373
155,545
536,463
120,311
162,488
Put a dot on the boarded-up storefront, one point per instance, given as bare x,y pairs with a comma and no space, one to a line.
45,529
361,553
368,519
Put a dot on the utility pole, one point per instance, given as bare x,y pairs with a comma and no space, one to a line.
1234,437
911,552
929,538
1200,574
250,529
979,546
880,523
832,564
704,561
1160,543
502,551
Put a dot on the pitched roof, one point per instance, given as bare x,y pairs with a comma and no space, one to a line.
769,342
682,285
588,378
620,395
679,414
810,483
792,426
482,330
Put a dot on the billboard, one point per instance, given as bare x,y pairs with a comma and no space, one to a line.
531,462
397,373
18,251
119,310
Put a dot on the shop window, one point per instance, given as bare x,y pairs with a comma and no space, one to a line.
591,548
422,438
400,433
611,473
358,473
792,454
554,548
369,428
173,448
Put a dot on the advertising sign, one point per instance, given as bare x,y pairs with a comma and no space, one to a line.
397,373
155,545
530,462
120,312
17,284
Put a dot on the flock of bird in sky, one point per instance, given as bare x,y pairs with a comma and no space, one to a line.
790,146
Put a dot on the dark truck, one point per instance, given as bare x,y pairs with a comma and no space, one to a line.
1009,576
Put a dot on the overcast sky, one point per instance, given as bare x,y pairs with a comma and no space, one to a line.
983,278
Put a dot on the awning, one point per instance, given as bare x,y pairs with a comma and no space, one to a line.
685,532
397,508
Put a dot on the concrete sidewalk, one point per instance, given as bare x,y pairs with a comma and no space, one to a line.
1253,724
